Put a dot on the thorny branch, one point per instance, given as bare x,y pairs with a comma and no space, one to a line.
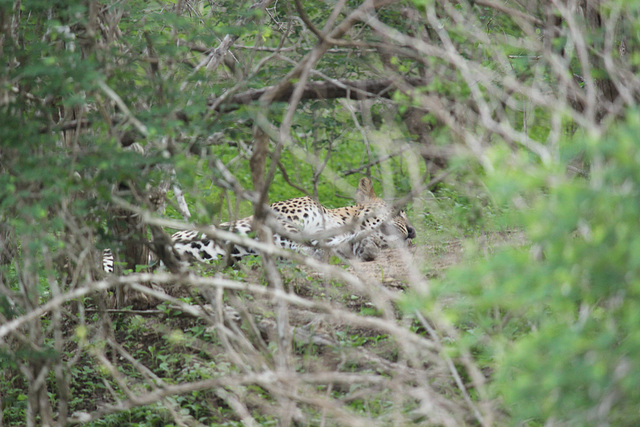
451,63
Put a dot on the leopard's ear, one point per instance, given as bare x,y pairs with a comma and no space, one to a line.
365,191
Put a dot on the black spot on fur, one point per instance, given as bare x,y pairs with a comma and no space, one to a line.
205,255
206,242
196,245
235,251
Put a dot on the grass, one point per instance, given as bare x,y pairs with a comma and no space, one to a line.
341,333
171,348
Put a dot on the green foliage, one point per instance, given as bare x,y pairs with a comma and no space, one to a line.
556,320
552,322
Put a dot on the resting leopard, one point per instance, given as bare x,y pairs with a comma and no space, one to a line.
359,230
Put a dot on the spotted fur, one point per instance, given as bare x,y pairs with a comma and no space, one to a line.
358,230
107,260
307,226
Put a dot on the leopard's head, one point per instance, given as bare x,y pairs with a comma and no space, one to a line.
379,215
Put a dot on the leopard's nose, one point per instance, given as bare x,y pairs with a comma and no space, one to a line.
411,232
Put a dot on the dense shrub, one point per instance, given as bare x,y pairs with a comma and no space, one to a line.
556,319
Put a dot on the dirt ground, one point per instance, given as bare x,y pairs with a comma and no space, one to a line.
395,270
399,266
343,328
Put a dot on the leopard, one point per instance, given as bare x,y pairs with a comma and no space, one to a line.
306,226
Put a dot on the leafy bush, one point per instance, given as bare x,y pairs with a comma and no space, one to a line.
556,320
474,96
